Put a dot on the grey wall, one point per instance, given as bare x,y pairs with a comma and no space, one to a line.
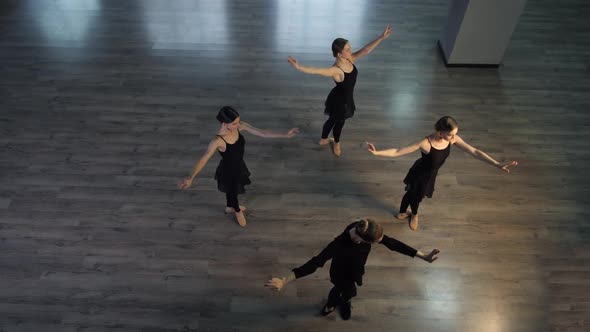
479,31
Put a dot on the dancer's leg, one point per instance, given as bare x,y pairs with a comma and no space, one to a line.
232,201
328,125
348,292
337,131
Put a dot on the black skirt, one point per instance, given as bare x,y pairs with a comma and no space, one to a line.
232,178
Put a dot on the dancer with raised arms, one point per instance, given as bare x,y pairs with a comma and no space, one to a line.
232,174
340,102
435,149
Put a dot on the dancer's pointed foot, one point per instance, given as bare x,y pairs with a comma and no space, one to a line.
402,215
337,150
240,218
345,310
324,141
229,209
327,310
414,222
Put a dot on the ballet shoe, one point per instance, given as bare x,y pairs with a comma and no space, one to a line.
402,215
229,209
324,141
337,151
327,310
414,222
240,218
345,310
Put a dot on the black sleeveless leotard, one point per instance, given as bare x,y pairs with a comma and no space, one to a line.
232,173
340,101
422,176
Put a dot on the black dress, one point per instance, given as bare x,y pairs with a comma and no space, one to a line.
232,174
340,101
348,258
422,176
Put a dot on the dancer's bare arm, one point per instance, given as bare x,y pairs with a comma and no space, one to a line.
334,72
422,144
480,155
213,146
267,133
371,46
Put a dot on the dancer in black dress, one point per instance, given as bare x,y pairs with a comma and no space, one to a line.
232,174
349,252
340,102
435,149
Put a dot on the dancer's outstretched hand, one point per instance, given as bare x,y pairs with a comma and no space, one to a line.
293,62
372,148
275,283
292,132
431,257
386,32
185,183
504,166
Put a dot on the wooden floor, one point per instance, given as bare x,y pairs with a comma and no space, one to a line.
105,105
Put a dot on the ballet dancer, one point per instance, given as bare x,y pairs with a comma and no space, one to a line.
232,174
